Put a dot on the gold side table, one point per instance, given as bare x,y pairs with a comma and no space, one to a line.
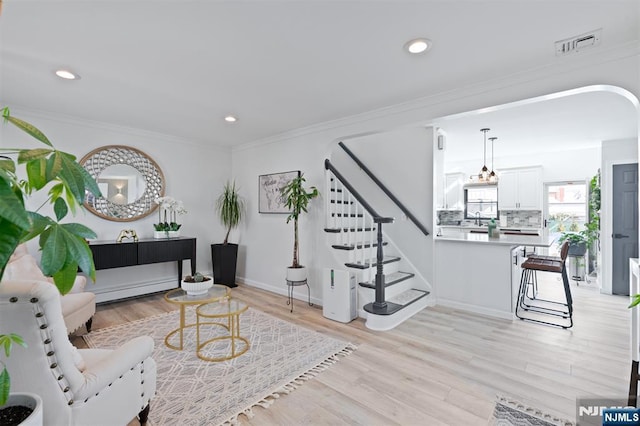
231,310
179,296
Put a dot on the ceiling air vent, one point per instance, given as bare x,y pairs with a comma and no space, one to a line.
578,43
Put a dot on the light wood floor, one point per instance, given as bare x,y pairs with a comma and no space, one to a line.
443,366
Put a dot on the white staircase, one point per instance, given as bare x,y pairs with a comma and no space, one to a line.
388,294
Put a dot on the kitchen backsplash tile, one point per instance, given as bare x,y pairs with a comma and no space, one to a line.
521,218
450,217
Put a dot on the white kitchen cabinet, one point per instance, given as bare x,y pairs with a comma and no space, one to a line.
520,189
453,195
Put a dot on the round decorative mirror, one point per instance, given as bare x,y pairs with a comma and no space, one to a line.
129,180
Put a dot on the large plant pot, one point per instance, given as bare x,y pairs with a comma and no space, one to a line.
224,259
577,249
30,400
297,274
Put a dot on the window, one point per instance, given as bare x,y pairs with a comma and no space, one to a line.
566,206
481,201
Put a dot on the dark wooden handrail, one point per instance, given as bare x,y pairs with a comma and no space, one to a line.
385,189
376,217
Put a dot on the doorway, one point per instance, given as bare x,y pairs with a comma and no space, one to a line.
625,224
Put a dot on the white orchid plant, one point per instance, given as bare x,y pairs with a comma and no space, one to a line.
168,210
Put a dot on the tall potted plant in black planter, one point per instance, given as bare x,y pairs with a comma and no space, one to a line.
297,199
230,209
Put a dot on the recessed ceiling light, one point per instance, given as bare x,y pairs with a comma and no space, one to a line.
418,45
67,75
230,119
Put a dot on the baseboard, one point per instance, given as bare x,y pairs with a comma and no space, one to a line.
133,290
299,293
475,309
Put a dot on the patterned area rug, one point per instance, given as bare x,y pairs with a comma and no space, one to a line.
191,391
509,412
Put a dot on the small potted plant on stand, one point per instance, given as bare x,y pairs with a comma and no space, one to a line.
63,245
224,257
297,199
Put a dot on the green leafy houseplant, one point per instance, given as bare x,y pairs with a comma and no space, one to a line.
230,208
297,199
63,245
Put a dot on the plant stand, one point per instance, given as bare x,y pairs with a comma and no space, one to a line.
291,285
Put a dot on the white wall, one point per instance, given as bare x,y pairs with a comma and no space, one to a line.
193,174
613,152
266,240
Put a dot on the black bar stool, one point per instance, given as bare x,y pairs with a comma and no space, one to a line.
536,305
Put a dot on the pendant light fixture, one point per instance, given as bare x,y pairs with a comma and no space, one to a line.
484,173
492,176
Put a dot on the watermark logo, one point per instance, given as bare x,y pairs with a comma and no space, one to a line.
606,412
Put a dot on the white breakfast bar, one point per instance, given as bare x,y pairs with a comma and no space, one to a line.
480,274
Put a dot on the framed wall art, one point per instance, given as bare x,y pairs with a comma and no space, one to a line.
270,191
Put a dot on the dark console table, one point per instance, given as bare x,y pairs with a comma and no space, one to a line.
108,254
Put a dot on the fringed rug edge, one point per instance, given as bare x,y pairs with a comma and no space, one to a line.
531,411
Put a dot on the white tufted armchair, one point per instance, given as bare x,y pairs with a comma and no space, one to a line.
78,306
78,387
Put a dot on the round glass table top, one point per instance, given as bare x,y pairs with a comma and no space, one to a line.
222,308
216,292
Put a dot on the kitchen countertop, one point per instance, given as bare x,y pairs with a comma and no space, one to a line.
543,240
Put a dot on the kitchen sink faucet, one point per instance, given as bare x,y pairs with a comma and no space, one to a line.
478,222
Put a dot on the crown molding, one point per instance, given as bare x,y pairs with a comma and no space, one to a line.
130,131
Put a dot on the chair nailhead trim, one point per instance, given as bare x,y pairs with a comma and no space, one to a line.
142,382
142,394
70,402
60,377
66,389
54,365
13,300
34,300
43,326
47,341
39,315
50,353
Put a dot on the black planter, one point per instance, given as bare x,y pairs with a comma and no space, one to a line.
577,249
224,258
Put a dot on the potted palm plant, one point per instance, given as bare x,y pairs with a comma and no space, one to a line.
296,200
230,208
63,245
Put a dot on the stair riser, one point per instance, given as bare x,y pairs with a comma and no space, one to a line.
352,237
368,295
387,322
368,274
347,222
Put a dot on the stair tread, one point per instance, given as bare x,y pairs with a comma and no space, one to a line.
356,246
372,262
390,279
336,230
397,303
